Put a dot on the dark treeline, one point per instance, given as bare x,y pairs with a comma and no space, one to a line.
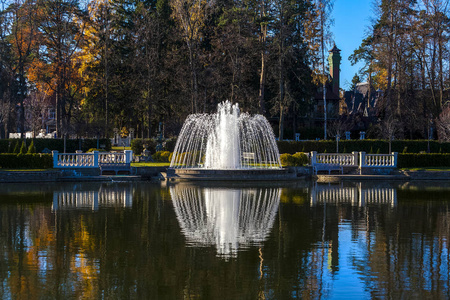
103,64
125,63
407,56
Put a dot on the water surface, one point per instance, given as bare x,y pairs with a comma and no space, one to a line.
226,241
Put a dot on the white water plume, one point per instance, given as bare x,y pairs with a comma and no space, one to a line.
227,139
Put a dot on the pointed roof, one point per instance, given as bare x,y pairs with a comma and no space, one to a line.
334,49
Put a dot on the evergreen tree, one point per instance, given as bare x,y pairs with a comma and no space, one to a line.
31,148
23,148
16,147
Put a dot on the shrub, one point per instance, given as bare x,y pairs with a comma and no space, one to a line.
56,144
16,148
162,156
301,159
137,145
165,156
413,146
29,161
31,149
94,149
23,148
426,160
289,160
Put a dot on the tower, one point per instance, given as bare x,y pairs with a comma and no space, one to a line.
334,61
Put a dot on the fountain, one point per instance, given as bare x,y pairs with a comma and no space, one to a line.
226,145
229,219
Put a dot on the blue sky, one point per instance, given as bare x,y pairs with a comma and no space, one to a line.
351,20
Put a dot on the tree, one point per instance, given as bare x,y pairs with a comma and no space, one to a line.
55,69
190,16
319,36
292,72
443,124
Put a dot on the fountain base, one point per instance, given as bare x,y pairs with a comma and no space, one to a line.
229,174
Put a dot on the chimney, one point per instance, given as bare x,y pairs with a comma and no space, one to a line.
334,61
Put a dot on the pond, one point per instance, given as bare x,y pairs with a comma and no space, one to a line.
144,240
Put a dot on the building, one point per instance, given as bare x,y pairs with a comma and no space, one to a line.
332,90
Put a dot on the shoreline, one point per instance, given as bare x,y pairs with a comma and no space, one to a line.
155,174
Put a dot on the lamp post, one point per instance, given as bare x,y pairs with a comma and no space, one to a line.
338,136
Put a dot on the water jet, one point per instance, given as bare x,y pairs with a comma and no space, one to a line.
226,145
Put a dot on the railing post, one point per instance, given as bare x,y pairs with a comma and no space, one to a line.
355,158
362,159
313,157
96,159
55,158
128,156
395,159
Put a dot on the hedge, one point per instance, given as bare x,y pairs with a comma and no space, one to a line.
29,161
427,160
368,146
6,145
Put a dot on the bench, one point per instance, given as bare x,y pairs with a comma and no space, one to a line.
248,155
327,167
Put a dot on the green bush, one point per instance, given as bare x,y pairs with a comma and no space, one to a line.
165,156
23,148
169,144
425,160
296,160
28,161
94,149
162,156
412,146
31,148
56,144
301,158
16,148
137,145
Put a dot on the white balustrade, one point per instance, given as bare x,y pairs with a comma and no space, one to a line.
378,160
351,159
90,160
342,159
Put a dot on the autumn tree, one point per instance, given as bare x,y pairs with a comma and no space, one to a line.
55,68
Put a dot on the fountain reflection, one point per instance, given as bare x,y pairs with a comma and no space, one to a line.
103,196
358,195
229,219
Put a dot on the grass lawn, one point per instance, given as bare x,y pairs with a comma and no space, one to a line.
150,164
24,170
118,148
427,169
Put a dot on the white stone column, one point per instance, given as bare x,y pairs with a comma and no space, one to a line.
355,158
395,154
55,158
96,159
313,157
128,156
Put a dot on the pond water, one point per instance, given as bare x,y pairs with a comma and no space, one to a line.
255,241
